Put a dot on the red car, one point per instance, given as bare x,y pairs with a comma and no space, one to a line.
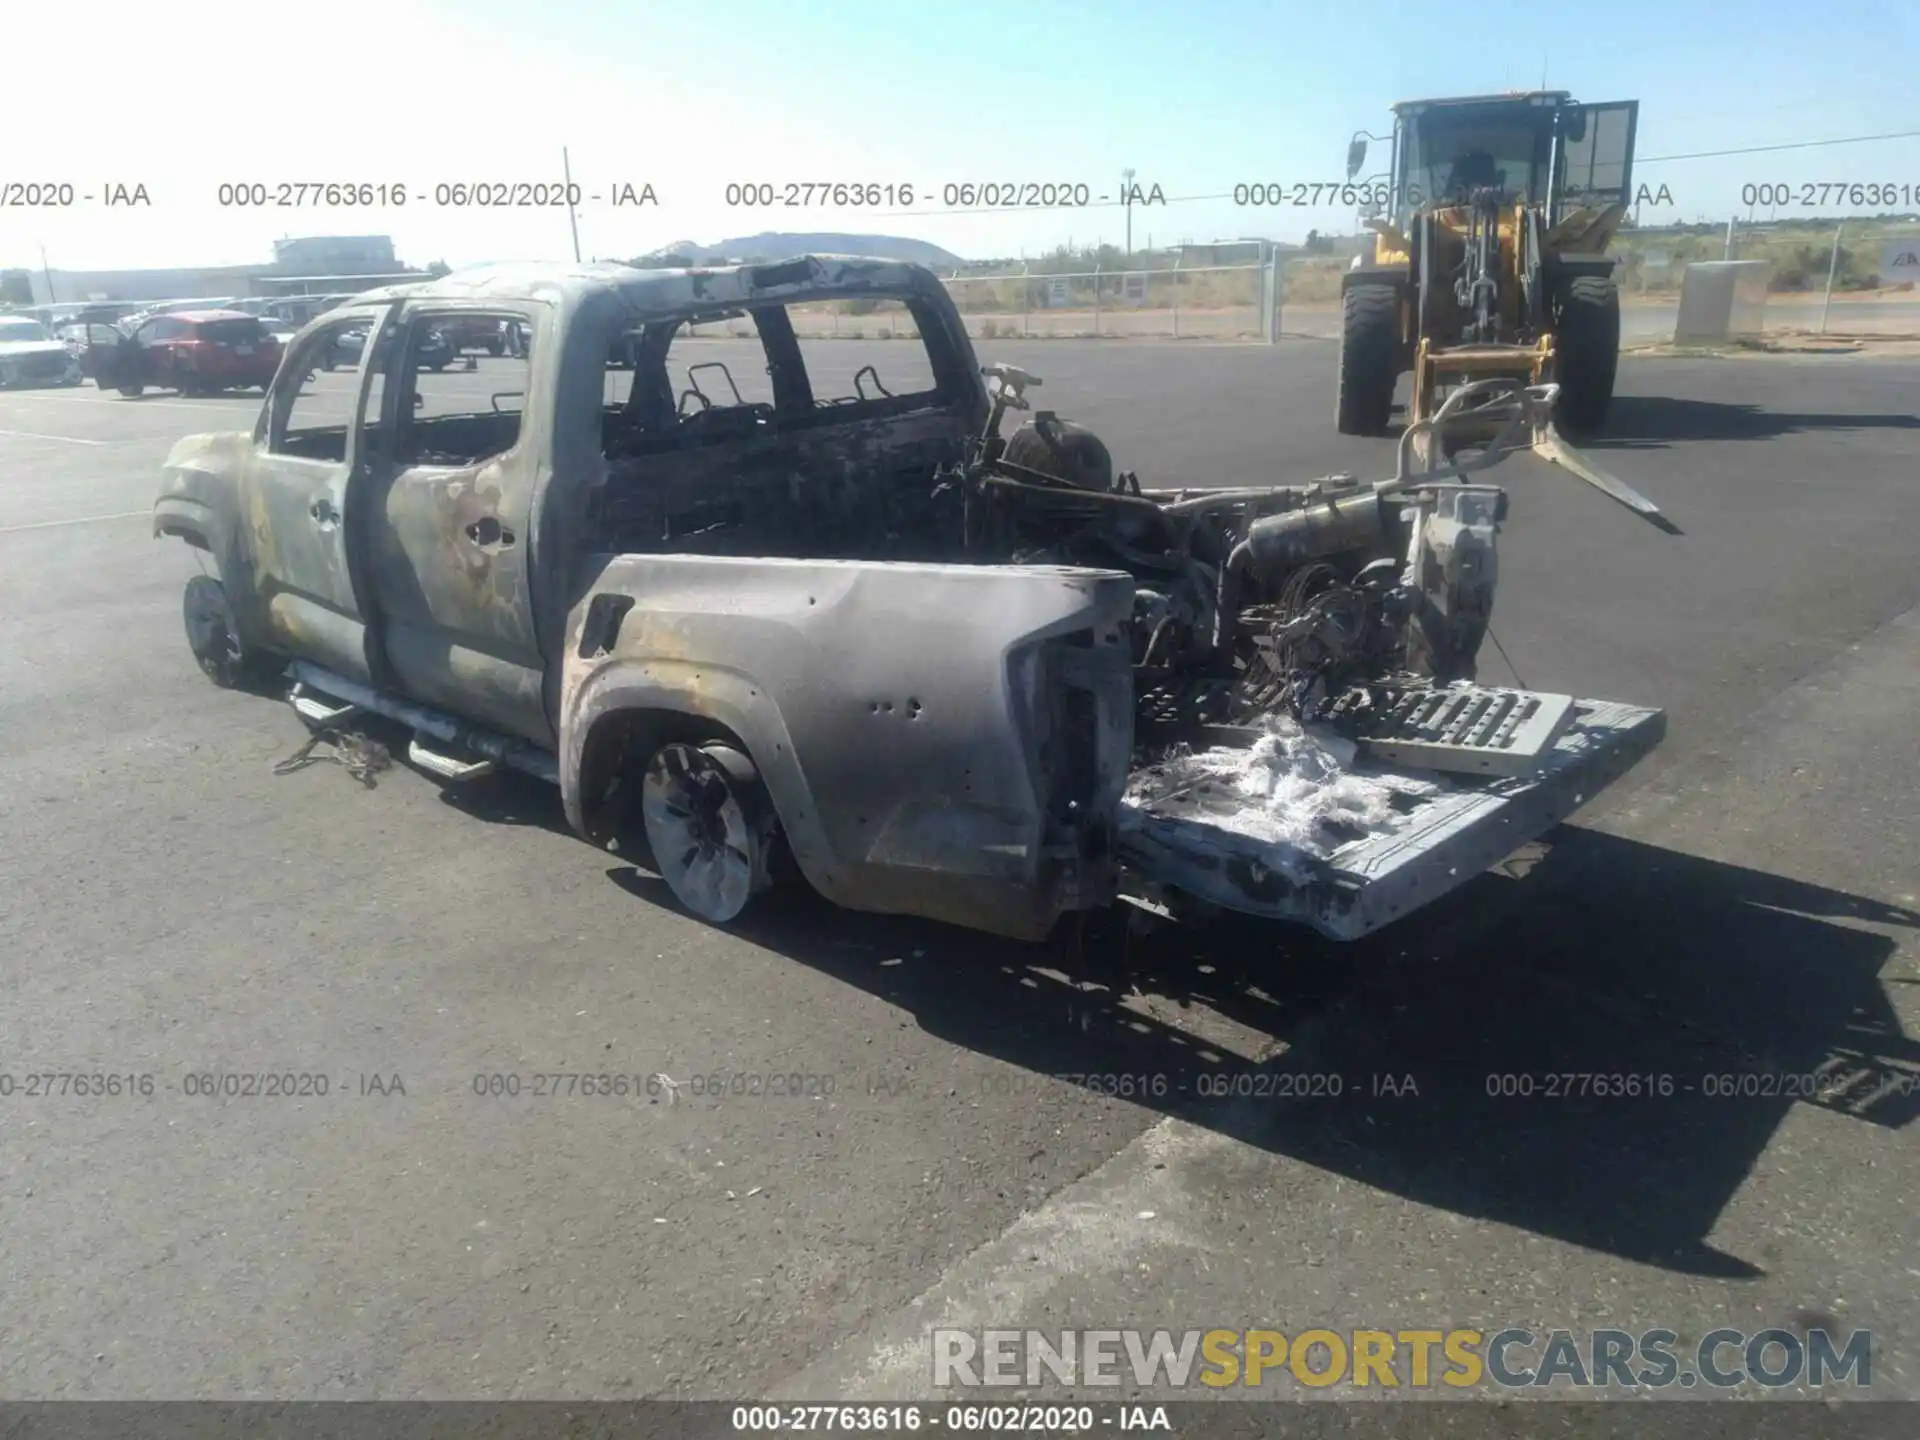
196,352
481,332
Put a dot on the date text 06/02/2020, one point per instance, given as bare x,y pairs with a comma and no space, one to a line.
1013,1419
953,195
442,194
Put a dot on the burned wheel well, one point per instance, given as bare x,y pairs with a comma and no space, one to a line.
187,533
618,746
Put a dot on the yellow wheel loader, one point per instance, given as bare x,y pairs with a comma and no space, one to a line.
1490,261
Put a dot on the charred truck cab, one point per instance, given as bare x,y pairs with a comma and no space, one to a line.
772,617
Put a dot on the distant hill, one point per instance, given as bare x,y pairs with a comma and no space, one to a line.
783,244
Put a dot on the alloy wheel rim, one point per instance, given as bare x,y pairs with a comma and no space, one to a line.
699,832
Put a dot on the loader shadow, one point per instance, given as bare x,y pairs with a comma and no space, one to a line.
1652,422
1433,1061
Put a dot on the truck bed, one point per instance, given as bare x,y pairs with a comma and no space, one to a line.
1197,841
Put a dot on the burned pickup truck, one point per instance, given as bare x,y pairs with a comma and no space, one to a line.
775,617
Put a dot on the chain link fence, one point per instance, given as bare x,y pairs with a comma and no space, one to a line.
1874,268
1179,302
1874,265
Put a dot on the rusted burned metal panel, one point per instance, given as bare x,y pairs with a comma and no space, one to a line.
899,713
450,550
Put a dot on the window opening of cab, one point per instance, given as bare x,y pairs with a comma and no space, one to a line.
464,402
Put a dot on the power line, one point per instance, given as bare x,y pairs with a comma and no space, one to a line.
1761,149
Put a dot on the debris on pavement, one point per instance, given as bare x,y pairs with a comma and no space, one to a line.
361,757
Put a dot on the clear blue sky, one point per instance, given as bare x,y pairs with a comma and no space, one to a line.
1193,96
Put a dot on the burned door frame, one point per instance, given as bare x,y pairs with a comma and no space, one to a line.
450,547
304,514
685,476
919,429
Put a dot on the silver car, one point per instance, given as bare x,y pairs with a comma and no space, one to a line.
30,355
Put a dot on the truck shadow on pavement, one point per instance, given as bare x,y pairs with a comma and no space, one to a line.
1653,422
1599,1052
1602,1063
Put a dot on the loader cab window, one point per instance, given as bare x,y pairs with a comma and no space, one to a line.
1598,166
1448,154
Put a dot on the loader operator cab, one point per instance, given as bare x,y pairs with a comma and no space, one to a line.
1537,148
1444,152
1475,171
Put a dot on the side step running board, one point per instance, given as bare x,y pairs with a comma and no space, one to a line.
318,710
447,767
428,725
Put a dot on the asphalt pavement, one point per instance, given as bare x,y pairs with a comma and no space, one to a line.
840,1129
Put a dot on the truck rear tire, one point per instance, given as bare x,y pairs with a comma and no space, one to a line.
1587,352
711,827
1369,345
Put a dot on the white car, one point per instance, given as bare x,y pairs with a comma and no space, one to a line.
29,355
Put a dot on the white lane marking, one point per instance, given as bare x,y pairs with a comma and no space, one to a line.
136,405
42,435
83,520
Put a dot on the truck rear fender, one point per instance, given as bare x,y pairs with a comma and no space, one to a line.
927,733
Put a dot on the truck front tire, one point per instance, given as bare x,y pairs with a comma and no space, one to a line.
215,639
1369,353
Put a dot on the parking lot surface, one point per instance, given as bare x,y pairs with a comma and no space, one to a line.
872,1124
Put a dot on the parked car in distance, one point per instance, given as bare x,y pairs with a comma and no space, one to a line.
480,333
104,312
31,355
434,350
341,351
196,352
174,307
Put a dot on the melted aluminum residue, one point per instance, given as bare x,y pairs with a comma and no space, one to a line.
1295,788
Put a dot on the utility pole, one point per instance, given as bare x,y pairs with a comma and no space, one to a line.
1728,254
1126,199
1833,264
51,297
573,224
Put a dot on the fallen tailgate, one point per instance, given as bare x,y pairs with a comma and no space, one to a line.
1443,842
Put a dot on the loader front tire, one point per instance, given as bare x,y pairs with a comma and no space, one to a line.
1587,352
1369,346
